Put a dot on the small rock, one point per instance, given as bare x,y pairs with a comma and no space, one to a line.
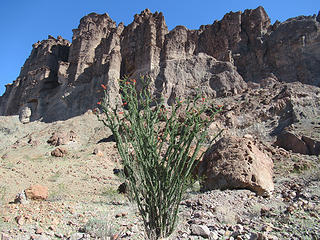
267,228
124,214
272,237
295,205
58,235
254,236
214,235
39,230
200,230
311,206
21,198
248,136
58,139
20,220
123,188
227,233
262,236
52,228
98,152
59,152
76,236
264,211
50,233
238,228
4,236
292,195
221,232
290,209
198,214
42,237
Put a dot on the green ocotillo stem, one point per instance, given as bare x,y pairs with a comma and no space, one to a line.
157,156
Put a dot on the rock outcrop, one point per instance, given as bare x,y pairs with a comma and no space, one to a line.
61,80
38,80
236,163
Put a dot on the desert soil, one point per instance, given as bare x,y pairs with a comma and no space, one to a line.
83,201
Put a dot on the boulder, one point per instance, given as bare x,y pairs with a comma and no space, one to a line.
291,141
25,114
298,144
37,192
236,163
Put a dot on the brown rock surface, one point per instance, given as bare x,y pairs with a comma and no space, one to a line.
236,163
61,138
59,152
37,192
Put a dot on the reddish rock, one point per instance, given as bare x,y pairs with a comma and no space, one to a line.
37,192
236,163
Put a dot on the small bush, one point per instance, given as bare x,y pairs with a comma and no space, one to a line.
159,147
3,192
101,229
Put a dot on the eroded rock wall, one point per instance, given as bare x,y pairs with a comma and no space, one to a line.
38,78
60,80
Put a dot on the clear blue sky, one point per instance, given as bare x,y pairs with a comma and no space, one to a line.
24,22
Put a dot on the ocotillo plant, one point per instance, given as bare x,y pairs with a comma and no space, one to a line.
158,149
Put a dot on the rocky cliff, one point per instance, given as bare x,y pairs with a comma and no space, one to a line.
61,79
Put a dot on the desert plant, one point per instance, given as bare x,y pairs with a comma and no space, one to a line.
158,147
102,229
3,192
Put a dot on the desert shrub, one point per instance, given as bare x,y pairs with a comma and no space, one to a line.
158,147
3,192
102,229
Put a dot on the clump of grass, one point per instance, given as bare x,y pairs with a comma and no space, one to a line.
54,177
3,192
59,193
228,216
111,193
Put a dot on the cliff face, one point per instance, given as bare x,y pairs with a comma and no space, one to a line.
60,80
38,80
